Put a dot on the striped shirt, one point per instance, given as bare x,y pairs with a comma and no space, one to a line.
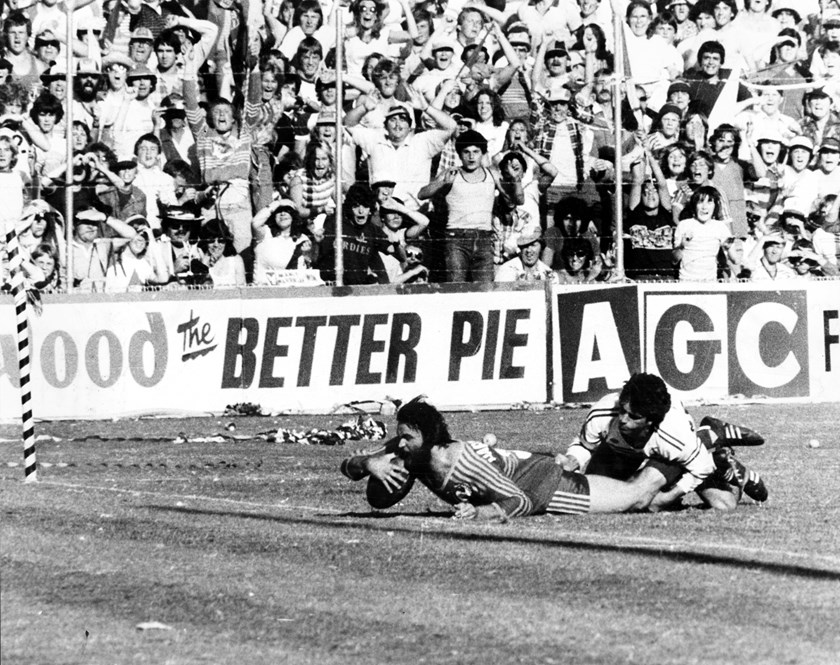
674,440
518,483
223,158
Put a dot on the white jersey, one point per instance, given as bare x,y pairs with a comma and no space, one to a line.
674,440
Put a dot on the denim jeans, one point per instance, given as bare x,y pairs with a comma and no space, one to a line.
469,255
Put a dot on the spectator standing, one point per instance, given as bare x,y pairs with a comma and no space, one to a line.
698,238
469,193
223,146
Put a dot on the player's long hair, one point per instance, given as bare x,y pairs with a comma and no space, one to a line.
648,395
428,420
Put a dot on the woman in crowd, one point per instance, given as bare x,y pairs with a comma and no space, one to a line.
280,242
592,42
699,237
372,35
312,188
673,163
225,267
577,260
490,120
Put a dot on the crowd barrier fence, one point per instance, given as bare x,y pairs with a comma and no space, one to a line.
495,346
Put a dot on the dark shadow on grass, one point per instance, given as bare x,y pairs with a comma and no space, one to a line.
379,515
566,542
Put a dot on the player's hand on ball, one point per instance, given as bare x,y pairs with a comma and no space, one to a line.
389,470
567,462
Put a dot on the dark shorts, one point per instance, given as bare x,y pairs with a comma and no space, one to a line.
623,465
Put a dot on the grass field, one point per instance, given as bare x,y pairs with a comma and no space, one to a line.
252,552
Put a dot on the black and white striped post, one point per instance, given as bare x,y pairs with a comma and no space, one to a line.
30,463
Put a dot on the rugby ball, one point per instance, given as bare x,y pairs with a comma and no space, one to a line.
380,497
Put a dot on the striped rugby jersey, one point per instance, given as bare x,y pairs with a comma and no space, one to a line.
674,440
518,483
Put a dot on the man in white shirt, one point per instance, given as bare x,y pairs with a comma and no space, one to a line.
399,153
158,187
825,179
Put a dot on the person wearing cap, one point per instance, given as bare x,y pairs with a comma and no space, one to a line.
550,66
770,266
665,130
178,244
564,142
92,252
399,153
442,49
681,11
526,266
140,47
46,49
86,105
825,178
679,95
787,67
176,140
820,119
136,113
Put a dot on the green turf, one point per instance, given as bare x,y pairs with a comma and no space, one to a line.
253,552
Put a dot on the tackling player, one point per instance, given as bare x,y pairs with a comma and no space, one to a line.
643,432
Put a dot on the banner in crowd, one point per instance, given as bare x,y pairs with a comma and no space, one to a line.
285,350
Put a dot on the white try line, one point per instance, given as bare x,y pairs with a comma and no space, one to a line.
762,555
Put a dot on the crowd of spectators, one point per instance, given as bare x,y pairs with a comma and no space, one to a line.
479,141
